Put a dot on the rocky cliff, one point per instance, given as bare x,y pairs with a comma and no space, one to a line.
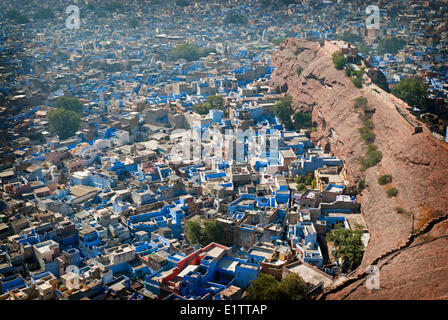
411,266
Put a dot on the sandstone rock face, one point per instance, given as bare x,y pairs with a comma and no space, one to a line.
417,162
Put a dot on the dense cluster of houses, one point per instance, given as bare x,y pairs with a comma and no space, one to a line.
103,213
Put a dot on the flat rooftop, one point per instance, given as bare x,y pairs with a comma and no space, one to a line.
310,274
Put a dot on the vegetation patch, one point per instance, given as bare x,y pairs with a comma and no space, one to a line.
290,120
44,14
392,192
212,102
298,51
188,52
16,17
235,18
265,287
361,185
357,82
360,103
339,60
63,122
385,179
348,244
390,45
414,92
401,210
277,41
210,231
373,157
304,181
66,119
366,132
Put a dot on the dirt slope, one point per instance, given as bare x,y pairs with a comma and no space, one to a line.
418,164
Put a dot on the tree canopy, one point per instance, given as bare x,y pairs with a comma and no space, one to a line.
339,60
189,52
63,122
290,120
413,92
283,111
303,181
302,120
390,45
182,3
265,287
234,18
212,102
69,103
348,244
16,17
373,157
43,14
212,231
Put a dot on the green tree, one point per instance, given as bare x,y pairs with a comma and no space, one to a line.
212,102
292,287
390,45
363,48
63,122
44,14
360,102
366,132
265,287
277,41
413,92
215,102
357,82
385,179
361,185
114,6
16,17
339,60
266,3
373,157
211,231
349,70
305,180
392,192
193,231
234,18
348,244
283,111
314,184
302,120
185,51
133,23
69,103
